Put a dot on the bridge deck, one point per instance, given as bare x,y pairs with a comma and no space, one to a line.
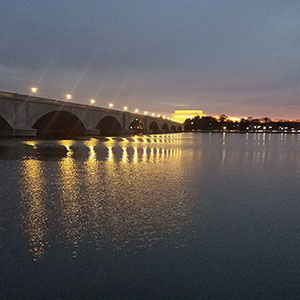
29,115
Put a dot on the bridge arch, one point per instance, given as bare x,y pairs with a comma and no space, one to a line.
59,123
154,127
173,128
5,128
109,125
137,125
165,127
179,128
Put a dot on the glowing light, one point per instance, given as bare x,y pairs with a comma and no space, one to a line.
158,116
168,118
135,157
92,101
125,108
136,110
110,155
145,112
33,90
153,114
69,97
31,143
164,117
144,155
91,145
111,105
124,155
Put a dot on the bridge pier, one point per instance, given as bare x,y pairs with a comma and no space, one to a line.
92,132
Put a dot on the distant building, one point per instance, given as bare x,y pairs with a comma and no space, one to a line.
182,115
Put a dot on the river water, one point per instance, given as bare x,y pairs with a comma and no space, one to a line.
175,216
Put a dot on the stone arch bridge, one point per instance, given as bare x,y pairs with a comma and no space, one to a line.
22,115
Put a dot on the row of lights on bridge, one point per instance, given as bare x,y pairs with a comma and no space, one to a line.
111,105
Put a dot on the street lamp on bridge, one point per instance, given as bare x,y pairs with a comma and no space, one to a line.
92,101
111,105
33,91
69,97
136,110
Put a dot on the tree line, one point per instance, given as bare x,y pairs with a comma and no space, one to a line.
223,123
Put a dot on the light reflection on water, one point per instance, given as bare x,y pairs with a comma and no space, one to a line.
110,199
69,186
106,190
207,207
34,196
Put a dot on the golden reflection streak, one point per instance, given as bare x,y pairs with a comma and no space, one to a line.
34,186
224,138
110,160
151,156
69,185
124,158
67,144
135,158
144,157
91,145
31,143
110,155
93,207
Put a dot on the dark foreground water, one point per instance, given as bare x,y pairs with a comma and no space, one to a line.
179,216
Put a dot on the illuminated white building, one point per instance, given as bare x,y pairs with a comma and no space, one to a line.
182,115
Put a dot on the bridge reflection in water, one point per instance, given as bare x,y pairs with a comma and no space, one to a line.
93,194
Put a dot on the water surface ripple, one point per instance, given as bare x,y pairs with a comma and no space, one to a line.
175,216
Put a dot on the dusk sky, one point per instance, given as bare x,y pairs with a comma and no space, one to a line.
241,58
